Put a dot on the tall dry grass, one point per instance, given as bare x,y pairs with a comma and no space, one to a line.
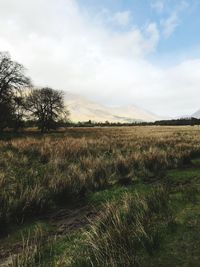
126,231
37,251
37,174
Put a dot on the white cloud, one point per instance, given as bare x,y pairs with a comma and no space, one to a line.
122,18
152,35
170,24
66,49
158,5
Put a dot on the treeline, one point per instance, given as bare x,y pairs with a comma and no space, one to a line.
21,103
177,122
106,124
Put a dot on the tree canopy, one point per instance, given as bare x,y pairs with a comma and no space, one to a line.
12,80
46,105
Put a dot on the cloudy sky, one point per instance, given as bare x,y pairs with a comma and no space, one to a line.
116,52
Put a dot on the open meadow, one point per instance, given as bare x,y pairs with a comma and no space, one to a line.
102,197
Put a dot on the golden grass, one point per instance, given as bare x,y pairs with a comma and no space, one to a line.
37,172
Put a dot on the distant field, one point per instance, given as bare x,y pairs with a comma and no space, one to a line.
121,196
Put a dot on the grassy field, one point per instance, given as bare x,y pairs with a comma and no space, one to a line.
112,197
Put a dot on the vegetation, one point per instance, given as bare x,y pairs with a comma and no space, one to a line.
46,106
178,122
18,104
140,186
174,122
12,80
124,230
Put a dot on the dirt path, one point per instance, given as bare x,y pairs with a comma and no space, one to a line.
63,221
66,220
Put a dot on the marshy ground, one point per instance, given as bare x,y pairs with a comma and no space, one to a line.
126,196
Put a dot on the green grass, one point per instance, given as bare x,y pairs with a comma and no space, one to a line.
116,193
179,246
181,243
196,161
184,175
67,248
25,231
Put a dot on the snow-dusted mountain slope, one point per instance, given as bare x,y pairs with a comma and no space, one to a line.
83,109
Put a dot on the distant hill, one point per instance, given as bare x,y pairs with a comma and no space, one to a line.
196,114
83,109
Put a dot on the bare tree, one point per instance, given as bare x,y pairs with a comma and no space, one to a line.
19,111
12,79
46,105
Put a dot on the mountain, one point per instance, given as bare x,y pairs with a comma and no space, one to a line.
196,114
83,109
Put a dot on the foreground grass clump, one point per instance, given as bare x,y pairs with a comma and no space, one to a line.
125,230
36,250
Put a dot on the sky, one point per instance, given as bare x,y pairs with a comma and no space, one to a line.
116,52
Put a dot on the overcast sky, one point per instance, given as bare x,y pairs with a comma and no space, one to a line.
116,52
